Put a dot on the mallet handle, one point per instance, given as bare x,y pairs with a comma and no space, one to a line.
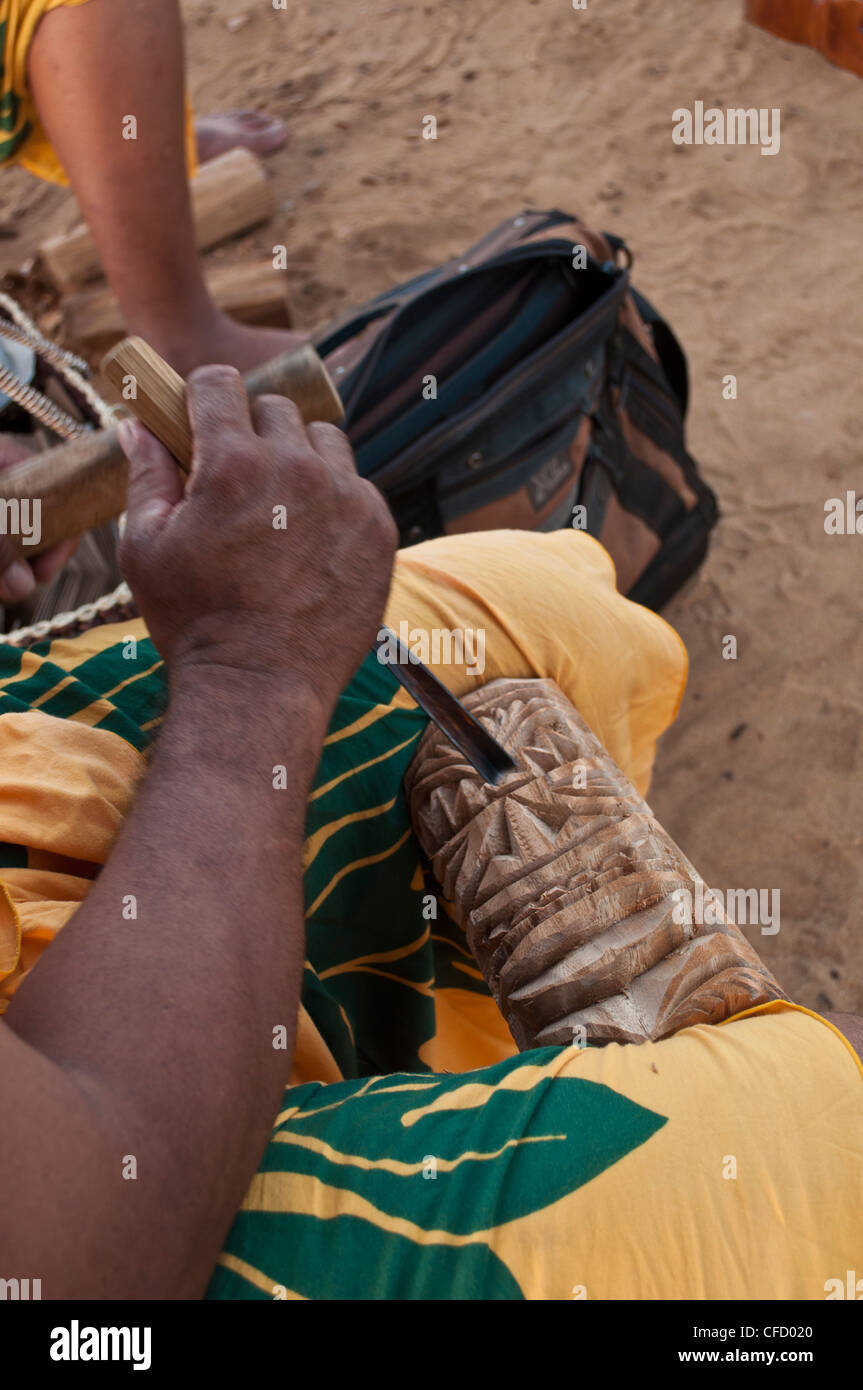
82,483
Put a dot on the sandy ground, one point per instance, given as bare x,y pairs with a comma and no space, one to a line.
756,262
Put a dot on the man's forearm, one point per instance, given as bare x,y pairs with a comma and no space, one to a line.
192,942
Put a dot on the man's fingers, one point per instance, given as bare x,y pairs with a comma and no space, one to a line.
218,411
13,450
333,445
155,486
17,580
50,562
277,418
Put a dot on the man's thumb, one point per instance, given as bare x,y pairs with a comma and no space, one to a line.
155,486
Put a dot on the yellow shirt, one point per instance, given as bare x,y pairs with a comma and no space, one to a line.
22,139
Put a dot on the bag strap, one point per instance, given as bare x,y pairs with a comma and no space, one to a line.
671,354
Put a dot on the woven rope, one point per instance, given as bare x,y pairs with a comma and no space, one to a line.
36,404
16,326
111,608
20,329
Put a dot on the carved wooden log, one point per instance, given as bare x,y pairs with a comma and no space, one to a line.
570,892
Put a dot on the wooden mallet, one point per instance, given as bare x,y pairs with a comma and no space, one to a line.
82,483
160,402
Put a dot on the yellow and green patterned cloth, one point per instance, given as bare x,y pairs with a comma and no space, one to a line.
723,1163
416,1155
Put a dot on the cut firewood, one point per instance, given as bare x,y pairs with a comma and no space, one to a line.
588,922
251,291
229,195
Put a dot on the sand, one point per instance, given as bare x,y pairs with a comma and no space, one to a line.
755,260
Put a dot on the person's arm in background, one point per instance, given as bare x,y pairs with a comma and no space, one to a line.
154,1037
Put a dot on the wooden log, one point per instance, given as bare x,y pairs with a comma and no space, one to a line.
573,897
251,291
229,195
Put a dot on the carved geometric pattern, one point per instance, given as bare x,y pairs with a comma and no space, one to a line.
563,881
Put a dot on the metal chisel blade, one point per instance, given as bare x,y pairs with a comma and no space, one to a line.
467,734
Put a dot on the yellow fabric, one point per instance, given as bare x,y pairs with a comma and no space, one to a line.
36,153
623,667
66,786
767,1232
64,789
720,1200
749,1184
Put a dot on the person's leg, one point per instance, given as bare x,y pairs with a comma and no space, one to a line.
92,67
225,130
695,1167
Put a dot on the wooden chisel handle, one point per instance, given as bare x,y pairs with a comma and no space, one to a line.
82,483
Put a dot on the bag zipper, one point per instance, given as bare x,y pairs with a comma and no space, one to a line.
353,390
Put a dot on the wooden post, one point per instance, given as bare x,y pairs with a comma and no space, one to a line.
577,905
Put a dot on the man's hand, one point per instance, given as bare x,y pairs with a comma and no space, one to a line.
18,579
277,558
157,1039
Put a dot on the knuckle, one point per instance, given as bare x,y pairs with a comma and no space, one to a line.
282,404
272,413
306,473
331,440
237,448
214,375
